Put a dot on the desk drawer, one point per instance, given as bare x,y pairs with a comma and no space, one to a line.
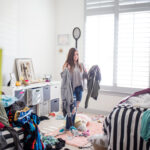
55,91
54,105
34,96
21,95
46,93
43,108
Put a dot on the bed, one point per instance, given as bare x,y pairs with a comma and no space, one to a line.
122,126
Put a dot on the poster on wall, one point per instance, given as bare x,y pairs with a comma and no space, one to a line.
25,69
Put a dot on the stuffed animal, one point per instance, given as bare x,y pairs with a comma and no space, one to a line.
81,122
81,125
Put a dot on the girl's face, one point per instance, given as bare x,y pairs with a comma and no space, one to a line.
76,56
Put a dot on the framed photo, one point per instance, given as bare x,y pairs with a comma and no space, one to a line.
25,69
63,39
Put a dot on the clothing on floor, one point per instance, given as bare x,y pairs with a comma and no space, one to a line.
29,122
42,118
145,125
32,134
18,105
21,114
66,92
18,114
51,140
93,84
60,117
1,125
52,143
60,144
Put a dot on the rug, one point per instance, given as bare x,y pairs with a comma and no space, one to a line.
93,127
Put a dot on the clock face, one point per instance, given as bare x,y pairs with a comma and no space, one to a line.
76,33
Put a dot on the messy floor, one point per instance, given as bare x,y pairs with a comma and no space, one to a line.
57,122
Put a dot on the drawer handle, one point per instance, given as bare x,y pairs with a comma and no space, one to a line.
55,101
55,86
37,90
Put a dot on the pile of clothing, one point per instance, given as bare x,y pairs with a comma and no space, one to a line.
21,116
52,143
20,126
6,130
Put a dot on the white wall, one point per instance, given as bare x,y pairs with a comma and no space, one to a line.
27,30
104,104
69,14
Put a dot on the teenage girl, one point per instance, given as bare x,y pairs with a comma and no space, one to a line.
77,73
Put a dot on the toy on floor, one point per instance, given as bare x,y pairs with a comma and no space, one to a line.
74,131
85,133
52,114
99,118
81,122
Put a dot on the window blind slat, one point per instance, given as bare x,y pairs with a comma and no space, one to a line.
129,67
98,6
129,2
134,32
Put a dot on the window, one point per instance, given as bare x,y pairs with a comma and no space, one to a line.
118,40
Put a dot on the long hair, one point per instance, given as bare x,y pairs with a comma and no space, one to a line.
70,59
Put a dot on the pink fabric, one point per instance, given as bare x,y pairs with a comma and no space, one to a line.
1,125
93,127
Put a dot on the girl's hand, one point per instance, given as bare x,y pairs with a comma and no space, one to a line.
74,110
67,66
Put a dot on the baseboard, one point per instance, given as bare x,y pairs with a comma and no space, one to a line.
88,110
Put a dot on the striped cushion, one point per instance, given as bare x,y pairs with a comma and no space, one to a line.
10,140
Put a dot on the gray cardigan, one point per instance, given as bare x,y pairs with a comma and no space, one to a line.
66,92
93,84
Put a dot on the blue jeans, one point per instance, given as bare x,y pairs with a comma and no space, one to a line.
70,120
77,93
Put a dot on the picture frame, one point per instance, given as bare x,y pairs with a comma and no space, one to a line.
63,39
25,69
